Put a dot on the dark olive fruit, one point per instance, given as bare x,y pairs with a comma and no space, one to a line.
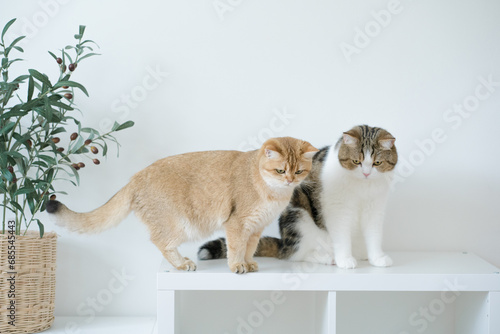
81,164
29,143
73,136
63,68
94,149
96,161
53,197
65,87
88,141
60,149
72,67
69,96
10,169
59,61
56,140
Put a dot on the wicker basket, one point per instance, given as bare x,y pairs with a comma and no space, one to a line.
35,282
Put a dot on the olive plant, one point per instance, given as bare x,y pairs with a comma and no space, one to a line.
36,149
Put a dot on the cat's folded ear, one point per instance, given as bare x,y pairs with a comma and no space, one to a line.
386,143
308,150
272,152
350,138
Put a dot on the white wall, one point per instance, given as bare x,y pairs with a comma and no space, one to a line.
230,73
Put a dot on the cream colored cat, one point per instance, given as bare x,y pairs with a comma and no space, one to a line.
189,196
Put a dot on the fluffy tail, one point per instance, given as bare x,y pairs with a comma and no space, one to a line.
217,249
102,218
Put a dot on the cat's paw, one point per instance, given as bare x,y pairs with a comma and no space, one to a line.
252,266
347,262
187,265
239,268
381,261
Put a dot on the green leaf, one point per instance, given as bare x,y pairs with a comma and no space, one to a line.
31,88
7,26
40,77
7,128
3,189
53,55
71,84
81,29
58,130
40,164
17,206
104,149
40,227
75,174
78,36
14,42
51,161
125,125
31,202
24,190
20,78
21,165
13,113
14,60
7,174
14,154
50,175
18,48
67,55
89,41
47,111
89,55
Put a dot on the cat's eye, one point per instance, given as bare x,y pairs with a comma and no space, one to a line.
299,172
280,171
356,162
377,163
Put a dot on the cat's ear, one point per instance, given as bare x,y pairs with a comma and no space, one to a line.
387,143
309,151
271,152
349,139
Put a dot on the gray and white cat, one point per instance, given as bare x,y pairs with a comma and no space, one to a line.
336,214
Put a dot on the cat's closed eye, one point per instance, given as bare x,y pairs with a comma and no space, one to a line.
299,172
280,171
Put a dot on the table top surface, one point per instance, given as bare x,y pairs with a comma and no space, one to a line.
412,271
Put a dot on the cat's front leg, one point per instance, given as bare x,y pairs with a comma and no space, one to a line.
237,236
252,244
339,228
372,222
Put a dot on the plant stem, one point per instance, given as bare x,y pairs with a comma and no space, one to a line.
4,211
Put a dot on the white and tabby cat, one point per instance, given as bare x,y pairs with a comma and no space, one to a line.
336,215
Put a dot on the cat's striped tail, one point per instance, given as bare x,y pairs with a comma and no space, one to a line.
217,249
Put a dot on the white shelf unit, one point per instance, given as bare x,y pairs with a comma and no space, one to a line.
431,292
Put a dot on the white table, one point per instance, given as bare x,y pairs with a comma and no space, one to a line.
462,286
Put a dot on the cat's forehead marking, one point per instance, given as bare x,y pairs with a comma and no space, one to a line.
369,137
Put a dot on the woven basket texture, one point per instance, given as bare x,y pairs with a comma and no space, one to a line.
35,282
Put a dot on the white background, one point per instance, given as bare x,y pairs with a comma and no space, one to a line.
224,76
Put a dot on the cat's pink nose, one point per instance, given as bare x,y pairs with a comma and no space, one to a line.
366,174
